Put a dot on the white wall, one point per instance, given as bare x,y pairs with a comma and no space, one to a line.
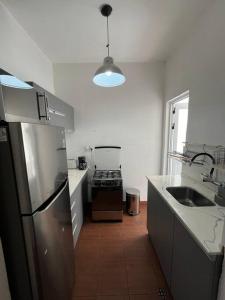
129,116
19,54
199,66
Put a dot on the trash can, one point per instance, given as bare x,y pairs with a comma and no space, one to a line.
133,201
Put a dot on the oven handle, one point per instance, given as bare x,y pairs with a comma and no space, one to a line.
102,147
113,189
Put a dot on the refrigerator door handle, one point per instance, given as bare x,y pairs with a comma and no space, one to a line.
47,205
41,97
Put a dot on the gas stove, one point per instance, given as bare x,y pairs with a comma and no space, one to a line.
107,178
107,185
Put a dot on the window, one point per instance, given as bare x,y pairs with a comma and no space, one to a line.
178,119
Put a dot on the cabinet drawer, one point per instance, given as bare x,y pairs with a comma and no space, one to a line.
73,206
77,212
76,206
76,200
74,218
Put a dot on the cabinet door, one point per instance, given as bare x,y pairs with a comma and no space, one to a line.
19,105
194,275
60,113
52,110
160,222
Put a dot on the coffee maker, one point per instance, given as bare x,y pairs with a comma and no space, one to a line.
82,164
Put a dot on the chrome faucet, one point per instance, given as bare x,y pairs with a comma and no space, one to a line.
206,177
205,154
220,196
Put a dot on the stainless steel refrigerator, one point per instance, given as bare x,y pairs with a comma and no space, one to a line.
35,217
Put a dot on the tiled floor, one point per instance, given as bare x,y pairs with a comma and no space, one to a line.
115,261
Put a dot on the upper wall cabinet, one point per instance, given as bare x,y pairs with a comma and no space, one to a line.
18,105
53,110
34,105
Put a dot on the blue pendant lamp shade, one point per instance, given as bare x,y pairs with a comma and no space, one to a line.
11,81
108,75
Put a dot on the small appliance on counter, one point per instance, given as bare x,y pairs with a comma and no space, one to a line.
82,164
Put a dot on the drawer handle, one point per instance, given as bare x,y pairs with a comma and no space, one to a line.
74,229
74,216
73,204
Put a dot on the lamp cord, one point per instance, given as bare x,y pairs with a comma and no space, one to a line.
107,45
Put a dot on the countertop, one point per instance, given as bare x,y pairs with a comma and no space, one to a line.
75,177
204,223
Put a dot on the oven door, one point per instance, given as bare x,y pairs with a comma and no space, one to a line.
107,198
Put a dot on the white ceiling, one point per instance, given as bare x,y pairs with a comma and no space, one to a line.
74,30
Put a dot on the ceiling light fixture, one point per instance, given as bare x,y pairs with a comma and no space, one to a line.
11,81
108,75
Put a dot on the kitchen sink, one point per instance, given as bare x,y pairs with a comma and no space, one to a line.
189,197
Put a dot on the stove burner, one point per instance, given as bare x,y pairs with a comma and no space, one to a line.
107,178
107,174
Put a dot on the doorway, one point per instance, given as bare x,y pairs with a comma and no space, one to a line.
178,119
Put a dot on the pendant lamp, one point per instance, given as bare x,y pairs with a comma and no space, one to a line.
108,75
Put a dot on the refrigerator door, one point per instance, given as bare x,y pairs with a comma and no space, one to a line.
39,154
50,248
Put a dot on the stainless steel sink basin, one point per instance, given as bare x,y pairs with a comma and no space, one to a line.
189,197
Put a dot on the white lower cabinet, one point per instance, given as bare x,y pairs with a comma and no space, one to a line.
78,202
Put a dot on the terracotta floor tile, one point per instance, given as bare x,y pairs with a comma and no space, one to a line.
151,296
141,278
81,265
84,298
113,279
112,253
145,297
86,286
87,245
116,261
87,254
136,252
112,298
103,243
89,233
111,233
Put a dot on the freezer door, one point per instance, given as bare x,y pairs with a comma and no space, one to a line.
50,250
39,154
